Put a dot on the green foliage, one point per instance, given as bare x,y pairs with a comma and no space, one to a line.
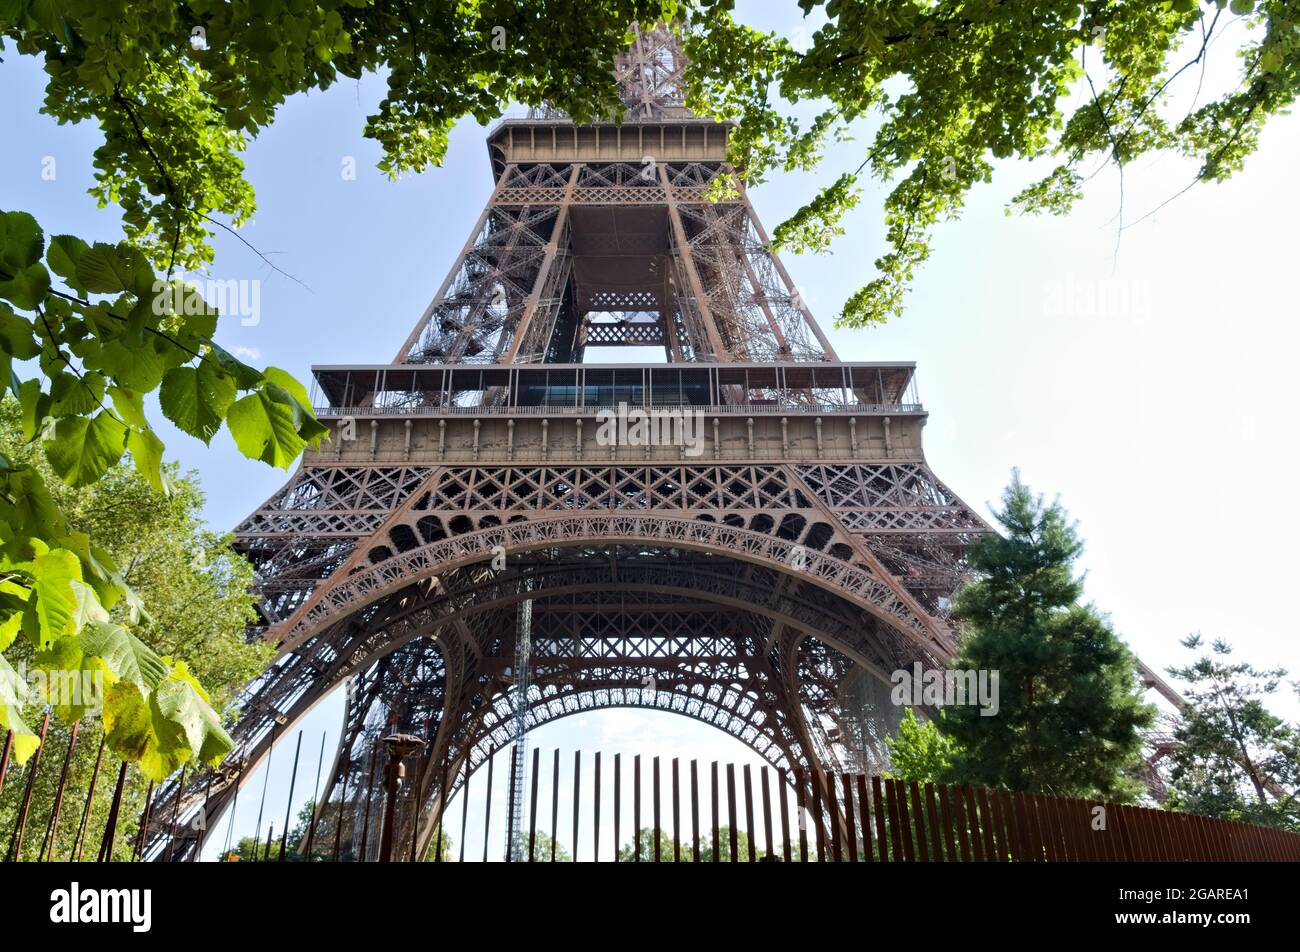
100,337
920,751
1233,758
542,849
947,86
197,590
1071,715
950,86
645,844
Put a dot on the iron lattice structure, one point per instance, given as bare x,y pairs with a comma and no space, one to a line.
763,570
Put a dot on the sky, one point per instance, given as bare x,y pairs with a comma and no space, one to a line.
1149,383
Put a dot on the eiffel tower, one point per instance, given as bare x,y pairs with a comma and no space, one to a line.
747,533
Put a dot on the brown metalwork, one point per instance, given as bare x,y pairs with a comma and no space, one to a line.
765,579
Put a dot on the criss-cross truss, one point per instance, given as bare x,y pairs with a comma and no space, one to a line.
762,562
563,244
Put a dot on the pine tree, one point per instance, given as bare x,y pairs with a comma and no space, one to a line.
1234,758
1070,712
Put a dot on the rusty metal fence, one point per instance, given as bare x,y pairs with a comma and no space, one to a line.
713,812
633,809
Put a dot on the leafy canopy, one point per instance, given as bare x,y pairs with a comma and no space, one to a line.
949,86
199,596
942,87
86,331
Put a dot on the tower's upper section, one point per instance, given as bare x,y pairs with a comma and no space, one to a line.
617,234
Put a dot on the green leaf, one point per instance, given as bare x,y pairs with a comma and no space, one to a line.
71,395
55,599
36,406
125,655
21,241
13,692
129,405
181,702
17,335
245,376
128,726
146,451
138,367
197,399
65,251
107,269
83,449
9,630
89,611
28,287
264,428
286,381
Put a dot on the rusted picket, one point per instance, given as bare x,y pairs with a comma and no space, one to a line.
595,806
695,811
749,816
734,847
767,814
532,808
677,815
782,786
850,826
881,833
864,814
713,793
800,812
654,773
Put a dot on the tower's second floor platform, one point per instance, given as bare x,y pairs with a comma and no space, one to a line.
373,390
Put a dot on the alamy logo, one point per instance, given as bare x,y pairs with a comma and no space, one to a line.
74,905
210,297
940,687
639,427
59,686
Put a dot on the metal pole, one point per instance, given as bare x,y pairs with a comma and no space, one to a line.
145,816
20,827
203,820
464,806
79,844
266,782
176,812
315,797
110,828
288,807
4,758
343,799
487,810
52,829
400,746
365,822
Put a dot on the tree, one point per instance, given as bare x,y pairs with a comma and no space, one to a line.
1070,715
1233,757
953,85
542,849
920,750
645,844
199,593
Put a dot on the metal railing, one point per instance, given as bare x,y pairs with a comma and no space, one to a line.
863,409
